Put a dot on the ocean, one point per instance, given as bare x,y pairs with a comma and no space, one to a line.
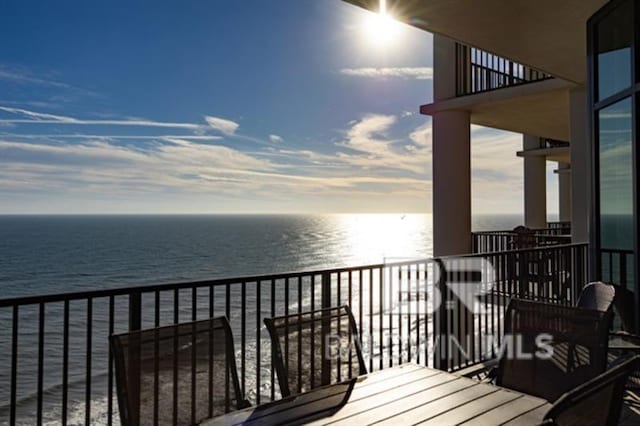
54,254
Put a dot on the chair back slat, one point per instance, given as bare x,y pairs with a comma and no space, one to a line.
178,374
313,349
552,348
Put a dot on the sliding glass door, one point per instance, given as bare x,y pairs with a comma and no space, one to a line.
613,87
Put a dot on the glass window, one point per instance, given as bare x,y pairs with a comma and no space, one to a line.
616,176
614,40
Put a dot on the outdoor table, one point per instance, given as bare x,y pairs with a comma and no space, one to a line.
406,394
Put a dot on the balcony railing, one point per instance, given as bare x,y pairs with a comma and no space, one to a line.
479,71
55,365
490,241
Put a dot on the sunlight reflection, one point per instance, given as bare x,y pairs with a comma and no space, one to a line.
386,237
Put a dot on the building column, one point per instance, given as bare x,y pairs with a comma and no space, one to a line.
535,185
564,192
451,159
451,183
580,167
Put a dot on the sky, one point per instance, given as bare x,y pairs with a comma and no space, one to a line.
224,106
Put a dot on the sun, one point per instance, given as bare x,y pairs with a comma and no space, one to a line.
380,28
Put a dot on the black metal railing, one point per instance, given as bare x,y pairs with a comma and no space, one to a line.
616,266
55,366
560,227
480,71
490,241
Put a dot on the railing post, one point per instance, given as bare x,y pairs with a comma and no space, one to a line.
135,323
440,328
326,326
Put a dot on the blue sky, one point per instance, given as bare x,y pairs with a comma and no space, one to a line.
222,106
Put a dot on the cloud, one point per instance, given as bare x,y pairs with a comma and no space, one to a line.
418,73
375,149
33,117
24,76
227,127
38,116
276,139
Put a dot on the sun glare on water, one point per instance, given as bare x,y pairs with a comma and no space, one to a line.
380,28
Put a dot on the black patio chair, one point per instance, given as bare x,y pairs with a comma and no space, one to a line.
314,349
596,402
548,349
178,374
598,296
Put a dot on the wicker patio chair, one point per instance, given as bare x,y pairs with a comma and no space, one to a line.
596,402
178,374
313,349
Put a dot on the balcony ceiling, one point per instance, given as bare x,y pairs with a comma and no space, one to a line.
549,35
540,109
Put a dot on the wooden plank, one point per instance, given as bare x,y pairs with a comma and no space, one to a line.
287,409
388,396
396,406
428,405
305,413
508,411
532,417
366,385
471,408
364,390
358,394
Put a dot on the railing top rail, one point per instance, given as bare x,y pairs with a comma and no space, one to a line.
124,291
511,232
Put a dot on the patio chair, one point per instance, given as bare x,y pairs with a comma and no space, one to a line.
596,402
548,349
314,349
574,351
597,295
178,374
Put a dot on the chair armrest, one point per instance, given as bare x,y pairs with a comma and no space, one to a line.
482,370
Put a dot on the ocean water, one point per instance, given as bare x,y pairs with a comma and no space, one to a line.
53,254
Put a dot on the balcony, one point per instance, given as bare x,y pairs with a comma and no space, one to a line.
55,365
556,233
479,71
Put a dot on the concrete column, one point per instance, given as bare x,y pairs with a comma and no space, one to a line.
535,185
564,192
444,68
451,159
451,183
580,167
451,196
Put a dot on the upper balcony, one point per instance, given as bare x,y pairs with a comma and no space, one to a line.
479,71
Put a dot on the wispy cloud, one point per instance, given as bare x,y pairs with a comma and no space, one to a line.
276,138
227,127
24,76
38,116
34,117
84,136
418,73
